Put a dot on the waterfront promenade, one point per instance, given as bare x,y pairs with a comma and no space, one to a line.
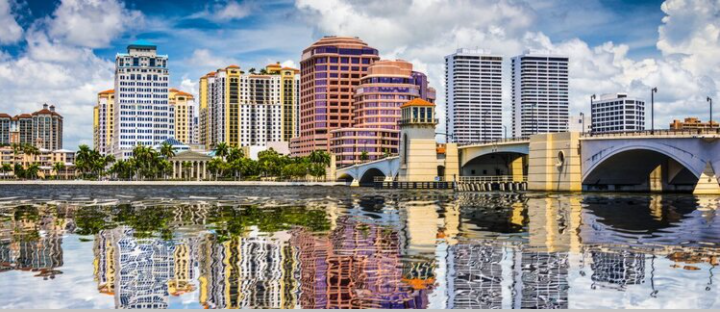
167,183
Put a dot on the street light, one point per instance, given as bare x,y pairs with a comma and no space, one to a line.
505,129
652,109
582,122
709,99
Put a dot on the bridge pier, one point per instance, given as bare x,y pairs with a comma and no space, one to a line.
708,183
555,162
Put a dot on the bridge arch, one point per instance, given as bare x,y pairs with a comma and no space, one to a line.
370,175
640,167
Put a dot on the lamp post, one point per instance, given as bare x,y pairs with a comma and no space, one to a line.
709,99
505,130
652,109
592,100
582,122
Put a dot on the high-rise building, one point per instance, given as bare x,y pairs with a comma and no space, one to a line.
330,69
290,99
540,101
142,113
42,129
247,109
5,122
182,105
375,130
473,109
47,128
617,113
103,121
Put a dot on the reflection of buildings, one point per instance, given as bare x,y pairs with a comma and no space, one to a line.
105,261
358,266
544,280
35,246
144,266
478,276
612,269
136,271
248,272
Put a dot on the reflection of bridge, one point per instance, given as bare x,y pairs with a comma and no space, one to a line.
640,161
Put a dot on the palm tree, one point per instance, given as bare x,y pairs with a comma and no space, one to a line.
167,150
84,159
32,171
5,169
235,153
19,171
222,150
364,156
57,167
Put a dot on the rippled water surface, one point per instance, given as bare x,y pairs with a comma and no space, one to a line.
361,248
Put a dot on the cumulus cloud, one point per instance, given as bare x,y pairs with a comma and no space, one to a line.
424,31
10,32
58,65
204,59
226,11
91,23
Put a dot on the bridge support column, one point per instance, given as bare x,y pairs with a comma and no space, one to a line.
656,179
452,162
555,162
708,183
355,183
516,169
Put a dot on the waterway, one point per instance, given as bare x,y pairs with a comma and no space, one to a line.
337,247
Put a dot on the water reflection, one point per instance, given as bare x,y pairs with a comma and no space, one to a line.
383,250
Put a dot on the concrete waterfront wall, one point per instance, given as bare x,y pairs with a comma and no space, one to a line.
554,163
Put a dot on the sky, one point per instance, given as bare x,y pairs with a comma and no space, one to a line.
61,52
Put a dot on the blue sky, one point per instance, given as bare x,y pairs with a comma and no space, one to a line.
61,51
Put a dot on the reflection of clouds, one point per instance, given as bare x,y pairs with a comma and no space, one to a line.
75,288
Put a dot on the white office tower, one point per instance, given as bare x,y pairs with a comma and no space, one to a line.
617,113
539,93
142,115
473,109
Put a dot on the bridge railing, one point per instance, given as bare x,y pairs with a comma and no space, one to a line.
497,141
657,133
399,179
491,179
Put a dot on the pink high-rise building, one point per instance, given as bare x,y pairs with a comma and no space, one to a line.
330,70
375,130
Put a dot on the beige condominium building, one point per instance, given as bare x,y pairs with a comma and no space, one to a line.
248,109
182,105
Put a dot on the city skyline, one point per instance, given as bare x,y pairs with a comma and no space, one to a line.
614,46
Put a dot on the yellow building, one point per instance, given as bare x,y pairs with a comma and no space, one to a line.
183,106
248,109
103,124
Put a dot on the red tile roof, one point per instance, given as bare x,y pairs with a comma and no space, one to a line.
417,102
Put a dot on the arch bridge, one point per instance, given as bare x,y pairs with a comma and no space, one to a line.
366,173
640,161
